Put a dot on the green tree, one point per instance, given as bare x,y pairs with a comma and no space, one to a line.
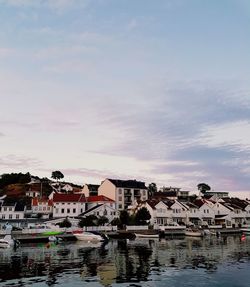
13,178
57,175
102,220
142,216
90,220
65,223
203,187
124,217
116,221
152,189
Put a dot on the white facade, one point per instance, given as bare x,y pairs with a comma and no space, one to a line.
163,215
103,210
207,213
33,193
63,209
9,213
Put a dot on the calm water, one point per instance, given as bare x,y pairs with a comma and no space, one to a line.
179,262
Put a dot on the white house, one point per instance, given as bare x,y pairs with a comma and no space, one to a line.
163,214
123,192
193,214
100,210
42,206
206,211
68,204
67,188
12,210
179,212
247,210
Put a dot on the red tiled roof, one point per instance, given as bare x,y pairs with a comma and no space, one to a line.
60,197
98,198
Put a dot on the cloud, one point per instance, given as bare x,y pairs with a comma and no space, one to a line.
203,125
13,162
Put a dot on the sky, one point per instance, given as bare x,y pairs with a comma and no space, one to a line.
157,91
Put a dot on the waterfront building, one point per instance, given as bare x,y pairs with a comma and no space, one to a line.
124,192
206,211
12,210
101,210
42,207
68,204
193,214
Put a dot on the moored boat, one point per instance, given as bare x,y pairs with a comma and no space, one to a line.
245,230
88,236
194,232
142,235
6,242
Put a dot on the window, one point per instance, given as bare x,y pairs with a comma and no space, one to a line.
10,208
56,210
120,198
74,210
10,216
120,206
62,210
17,216
5,208
81,210
144,192
44,208
120,191
3,216
68,210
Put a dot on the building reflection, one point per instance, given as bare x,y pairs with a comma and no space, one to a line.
120,260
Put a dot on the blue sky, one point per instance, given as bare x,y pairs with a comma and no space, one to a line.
152,90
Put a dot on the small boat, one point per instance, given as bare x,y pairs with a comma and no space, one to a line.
245,230
194,232
141,235
6,242
88,236
52,233
54,239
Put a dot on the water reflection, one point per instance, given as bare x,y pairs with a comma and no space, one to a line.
119,261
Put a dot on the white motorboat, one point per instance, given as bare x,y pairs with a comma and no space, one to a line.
194,232
140,235
6,242
88,236
245,230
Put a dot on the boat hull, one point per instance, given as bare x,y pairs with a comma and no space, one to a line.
194,233
88,237
140,235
